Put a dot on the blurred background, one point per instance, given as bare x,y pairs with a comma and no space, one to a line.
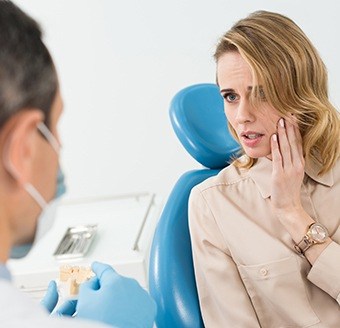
121,62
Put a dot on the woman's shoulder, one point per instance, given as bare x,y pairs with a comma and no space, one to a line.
230,175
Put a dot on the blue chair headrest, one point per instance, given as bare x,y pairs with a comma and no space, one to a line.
198,119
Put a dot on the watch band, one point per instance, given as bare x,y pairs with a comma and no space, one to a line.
303,245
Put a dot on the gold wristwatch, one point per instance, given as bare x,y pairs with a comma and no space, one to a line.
316,234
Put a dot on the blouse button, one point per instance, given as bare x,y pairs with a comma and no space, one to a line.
264,271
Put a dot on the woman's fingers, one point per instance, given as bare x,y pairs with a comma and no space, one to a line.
290,143
276,155
284,145
288,167
295,143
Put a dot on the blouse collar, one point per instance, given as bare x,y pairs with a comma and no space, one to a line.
262,170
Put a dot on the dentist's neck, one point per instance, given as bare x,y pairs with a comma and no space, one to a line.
5,236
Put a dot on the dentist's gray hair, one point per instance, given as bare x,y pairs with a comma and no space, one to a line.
27,74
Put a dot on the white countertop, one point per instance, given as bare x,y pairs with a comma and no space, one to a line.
124,235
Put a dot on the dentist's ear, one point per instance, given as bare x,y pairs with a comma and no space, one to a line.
19,144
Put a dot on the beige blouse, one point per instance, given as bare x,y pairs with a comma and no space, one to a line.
247,272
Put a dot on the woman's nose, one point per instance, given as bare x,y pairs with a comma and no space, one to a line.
244,112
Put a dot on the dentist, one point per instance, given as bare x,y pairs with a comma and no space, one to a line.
30,108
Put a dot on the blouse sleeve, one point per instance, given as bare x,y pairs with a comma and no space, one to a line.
223,299
325,272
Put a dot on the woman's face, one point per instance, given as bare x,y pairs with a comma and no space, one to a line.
253,126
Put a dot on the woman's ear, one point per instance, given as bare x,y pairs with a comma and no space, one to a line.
20,142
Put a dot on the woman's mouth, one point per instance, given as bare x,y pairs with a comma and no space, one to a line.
251,139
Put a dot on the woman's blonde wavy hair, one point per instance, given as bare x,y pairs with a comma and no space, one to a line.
293,77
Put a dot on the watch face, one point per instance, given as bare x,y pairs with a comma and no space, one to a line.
318,233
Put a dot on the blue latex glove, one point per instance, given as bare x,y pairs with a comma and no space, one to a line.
68,308
115,300
51,297
50,301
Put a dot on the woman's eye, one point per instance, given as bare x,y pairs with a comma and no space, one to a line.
230,97
262,95
259,93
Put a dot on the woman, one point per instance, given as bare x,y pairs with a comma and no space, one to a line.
265,231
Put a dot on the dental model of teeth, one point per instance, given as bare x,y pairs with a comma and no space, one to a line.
71,277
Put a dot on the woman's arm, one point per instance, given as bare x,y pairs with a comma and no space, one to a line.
223,299
287,177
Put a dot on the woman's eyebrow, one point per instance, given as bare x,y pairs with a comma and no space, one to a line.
260,87
232,90
227,90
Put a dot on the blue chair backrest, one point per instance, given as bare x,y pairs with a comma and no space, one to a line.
198,120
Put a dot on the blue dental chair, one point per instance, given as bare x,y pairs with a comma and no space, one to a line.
198,120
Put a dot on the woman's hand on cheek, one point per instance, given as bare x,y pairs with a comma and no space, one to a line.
287,177
288,170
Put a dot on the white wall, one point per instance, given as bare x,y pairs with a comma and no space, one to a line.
120,63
